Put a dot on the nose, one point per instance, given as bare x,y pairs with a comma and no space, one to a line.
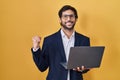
68,18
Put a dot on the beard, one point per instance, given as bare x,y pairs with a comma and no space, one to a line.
67,28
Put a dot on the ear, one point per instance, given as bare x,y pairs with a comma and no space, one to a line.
60,20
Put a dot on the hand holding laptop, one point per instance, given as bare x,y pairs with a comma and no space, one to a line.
81,69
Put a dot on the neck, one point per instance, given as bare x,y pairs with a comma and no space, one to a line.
67,32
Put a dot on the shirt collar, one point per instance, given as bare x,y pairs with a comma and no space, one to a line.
63,34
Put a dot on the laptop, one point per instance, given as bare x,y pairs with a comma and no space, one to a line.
87,56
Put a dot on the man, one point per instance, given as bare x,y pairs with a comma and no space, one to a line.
56,48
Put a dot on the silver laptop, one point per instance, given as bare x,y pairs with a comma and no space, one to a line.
87,56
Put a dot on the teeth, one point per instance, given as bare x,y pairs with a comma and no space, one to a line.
69,22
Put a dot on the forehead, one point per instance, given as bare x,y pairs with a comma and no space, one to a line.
67,12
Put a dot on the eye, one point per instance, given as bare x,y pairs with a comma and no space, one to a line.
68,16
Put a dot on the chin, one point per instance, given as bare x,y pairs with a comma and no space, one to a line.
70,28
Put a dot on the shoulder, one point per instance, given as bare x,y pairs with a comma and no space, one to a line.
79,35
81,39
52,38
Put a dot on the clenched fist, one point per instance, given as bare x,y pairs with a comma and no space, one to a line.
36,42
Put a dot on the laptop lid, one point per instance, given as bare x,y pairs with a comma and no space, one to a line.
87,56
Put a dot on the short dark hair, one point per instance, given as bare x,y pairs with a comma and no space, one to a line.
67,7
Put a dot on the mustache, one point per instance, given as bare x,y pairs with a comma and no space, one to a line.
69,21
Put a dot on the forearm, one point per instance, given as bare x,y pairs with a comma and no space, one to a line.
39,60
36,55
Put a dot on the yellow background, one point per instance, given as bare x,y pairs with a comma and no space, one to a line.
22,19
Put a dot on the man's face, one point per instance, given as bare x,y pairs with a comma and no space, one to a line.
68,20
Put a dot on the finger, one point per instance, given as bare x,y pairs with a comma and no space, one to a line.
74,69
82,68
36,39
33,39
78,69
